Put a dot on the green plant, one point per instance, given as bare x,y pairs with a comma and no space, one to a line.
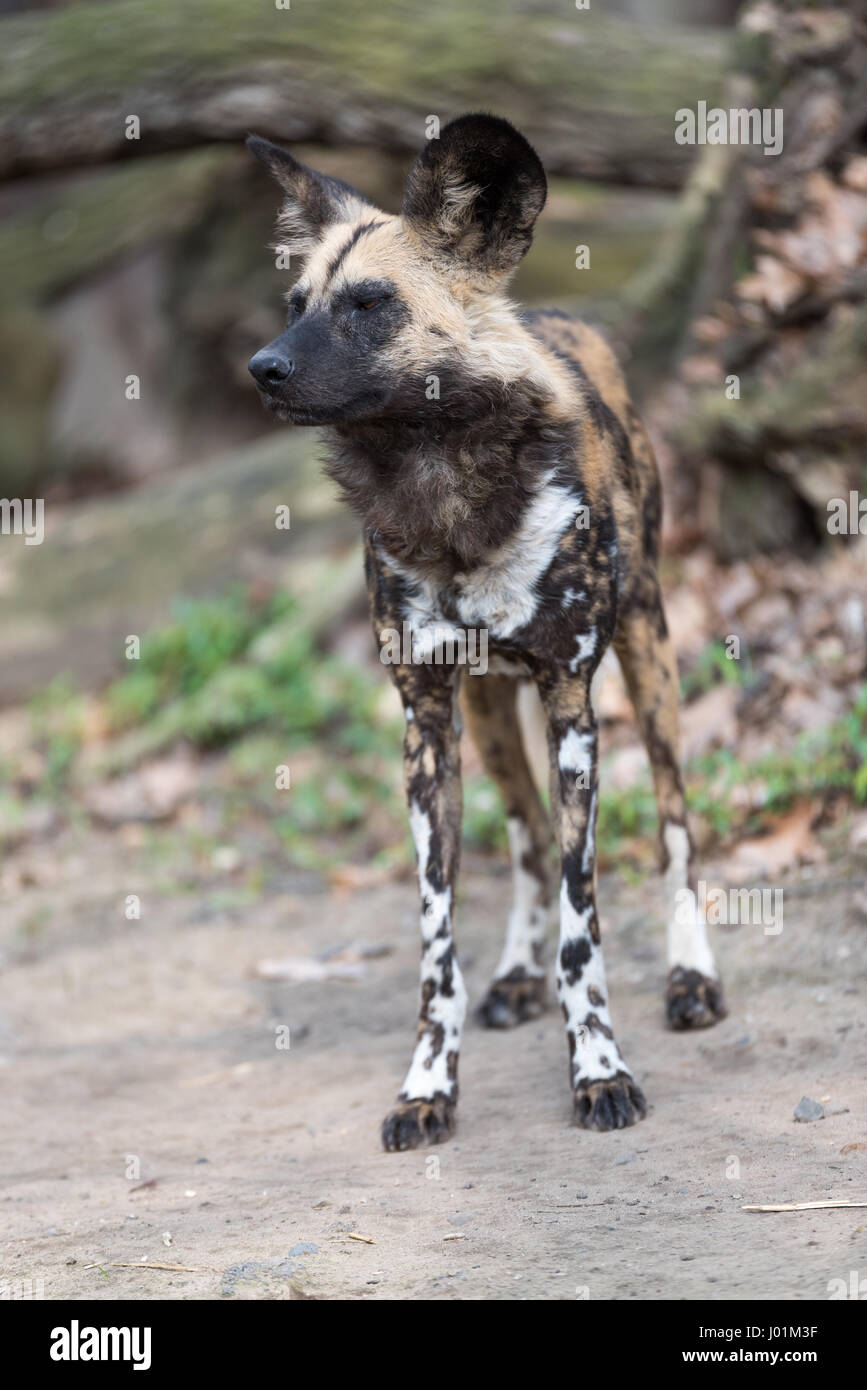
712,664
57,714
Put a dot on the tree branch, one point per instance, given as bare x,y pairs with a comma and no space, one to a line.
598,95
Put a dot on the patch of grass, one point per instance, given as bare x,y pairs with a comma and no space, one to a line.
484,823
712,664
224,668
57,717
178,659
248,677
833,759
625,815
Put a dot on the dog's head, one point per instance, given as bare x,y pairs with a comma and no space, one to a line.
392,312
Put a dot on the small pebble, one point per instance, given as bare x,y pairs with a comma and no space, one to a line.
808,1110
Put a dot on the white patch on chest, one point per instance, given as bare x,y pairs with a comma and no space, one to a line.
501,594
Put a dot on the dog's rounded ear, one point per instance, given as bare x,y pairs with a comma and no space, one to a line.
314,201
475,193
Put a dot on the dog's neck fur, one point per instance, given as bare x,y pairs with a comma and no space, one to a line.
443,493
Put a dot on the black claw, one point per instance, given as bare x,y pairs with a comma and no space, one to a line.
416,1122
693,1000
611,1104
512,1001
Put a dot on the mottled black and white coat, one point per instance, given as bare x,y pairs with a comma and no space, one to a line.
518,498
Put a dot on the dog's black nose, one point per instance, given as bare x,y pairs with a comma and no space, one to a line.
270,368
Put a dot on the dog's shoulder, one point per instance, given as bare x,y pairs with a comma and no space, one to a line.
587,355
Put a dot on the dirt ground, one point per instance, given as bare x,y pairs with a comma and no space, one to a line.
146,1052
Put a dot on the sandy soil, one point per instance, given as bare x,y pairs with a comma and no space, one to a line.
155,1039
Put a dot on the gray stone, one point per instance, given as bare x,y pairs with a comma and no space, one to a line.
807,1110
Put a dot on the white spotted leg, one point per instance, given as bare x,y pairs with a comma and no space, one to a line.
605,1093
425,1110
517,991
694,994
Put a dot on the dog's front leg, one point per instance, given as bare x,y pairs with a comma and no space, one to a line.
604,1091
425,1113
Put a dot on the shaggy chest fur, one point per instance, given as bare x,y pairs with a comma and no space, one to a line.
505,536
446,493
543,592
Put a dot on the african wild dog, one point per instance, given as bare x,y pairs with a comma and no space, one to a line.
519,496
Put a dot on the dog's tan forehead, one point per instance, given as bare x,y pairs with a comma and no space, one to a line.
373,247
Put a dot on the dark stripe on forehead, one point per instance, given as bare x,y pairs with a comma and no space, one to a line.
337,261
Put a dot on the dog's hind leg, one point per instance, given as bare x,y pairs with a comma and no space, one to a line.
517,991
694,995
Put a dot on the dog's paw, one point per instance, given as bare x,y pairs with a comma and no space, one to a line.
512,1000
415,1122
693,1000
614,1103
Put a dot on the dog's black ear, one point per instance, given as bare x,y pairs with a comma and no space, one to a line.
475,194
313,201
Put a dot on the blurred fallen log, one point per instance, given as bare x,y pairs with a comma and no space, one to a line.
83,225
69,603
597,95
766,413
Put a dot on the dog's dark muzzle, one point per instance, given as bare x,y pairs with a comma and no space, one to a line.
271,368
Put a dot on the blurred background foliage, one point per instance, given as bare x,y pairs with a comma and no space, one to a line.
149,256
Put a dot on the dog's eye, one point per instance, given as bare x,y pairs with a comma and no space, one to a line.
369,303
298,306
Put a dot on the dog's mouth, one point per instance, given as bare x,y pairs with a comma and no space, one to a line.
292,414
360,407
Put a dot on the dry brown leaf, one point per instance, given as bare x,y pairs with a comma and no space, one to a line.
855,174
736,587
772,283
709,721
790,843
152,793
858,832
351,878
702,370
711,329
